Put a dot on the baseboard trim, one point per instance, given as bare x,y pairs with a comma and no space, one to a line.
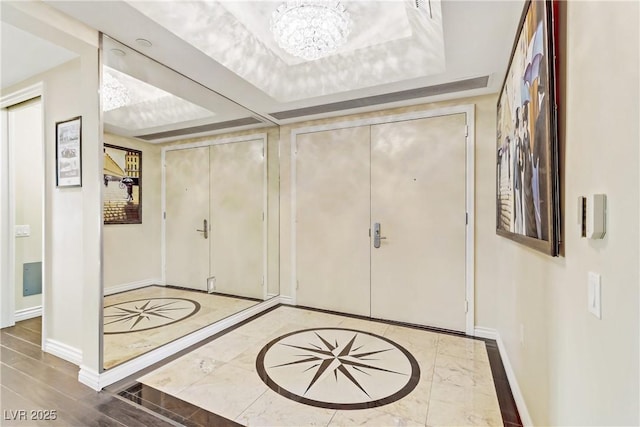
27,313
493,334
63,351
286,300
131,286
99,381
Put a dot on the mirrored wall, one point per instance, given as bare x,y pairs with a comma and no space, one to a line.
190,205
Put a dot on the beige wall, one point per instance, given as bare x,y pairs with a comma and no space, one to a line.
131,252
25,136
574,369
72,294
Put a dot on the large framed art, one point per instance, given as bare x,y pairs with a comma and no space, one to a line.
122,195
527,179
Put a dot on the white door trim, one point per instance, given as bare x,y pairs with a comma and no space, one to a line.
208,143
7,207
469,111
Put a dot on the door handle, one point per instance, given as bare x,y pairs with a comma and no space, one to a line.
376,235
205,229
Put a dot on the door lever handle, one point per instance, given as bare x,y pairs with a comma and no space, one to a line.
376,235
205,229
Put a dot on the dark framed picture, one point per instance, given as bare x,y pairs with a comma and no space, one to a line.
122,195
69,153
527,178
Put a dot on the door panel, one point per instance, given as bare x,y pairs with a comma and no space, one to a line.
237,203
187,206
332,230
418,197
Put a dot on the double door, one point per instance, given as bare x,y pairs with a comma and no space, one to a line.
380,221
214,218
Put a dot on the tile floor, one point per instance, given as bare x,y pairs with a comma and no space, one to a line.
146,336
455,386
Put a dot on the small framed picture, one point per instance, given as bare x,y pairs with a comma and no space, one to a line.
69,153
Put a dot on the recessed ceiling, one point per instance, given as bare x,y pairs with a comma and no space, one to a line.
389,41
25,55
226,46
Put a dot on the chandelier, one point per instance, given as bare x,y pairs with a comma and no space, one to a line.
310,29
114,94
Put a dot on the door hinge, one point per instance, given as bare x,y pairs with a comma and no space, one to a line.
466,306
263,216
164,215
466,130
466,218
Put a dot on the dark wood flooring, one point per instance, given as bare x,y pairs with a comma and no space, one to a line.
35,386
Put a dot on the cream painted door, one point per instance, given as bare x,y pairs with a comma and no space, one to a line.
332,210
187,206
418,198
237,220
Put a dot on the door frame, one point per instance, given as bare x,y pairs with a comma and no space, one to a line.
469,111
265,218
7,207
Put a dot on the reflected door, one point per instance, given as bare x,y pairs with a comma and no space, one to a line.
237,218
187,208
418,198
332,211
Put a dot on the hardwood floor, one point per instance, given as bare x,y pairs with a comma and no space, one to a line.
36,385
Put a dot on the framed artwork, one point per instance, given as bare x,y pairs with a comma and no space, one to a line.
122,195
527,178
69,153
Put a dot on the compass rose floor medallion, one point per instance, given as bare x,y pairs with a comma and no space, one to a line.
148,313
338,368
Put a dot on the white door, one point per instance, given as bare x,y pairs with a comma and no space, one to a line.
409,177
187,209
418,198
332,230
237,218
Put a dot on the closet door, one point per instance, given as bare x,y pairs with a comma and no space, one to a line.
237,220
418,198
187,209
332,211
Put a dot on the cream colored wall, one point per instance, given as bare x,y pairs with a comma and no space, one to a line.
131,252
25,127
572,368
72,294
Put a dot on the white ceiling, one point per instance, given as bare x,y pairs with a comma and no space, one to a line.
25,55
229,65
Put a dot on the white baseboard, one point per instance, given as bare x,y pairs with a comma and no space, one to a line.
286,300
493,334
131,286
98,381
63,351
27,313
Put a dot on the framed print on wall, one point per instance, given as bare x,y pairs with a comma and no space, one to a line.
527,178
69,153
122,195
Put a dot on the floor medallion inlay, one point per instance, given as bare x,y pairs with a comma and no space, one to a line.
338,368
149,313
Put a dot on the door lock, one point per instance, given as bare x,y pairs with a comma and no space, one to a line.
376,235
205,229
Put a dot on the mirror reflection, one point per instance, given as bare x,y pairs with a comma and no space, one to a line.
190,205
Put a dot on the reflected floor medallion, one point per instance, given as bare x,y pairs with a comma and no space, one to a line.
148,313
338,368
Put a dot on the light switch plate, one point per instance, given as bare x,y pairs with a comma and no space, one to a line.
22,230
594,295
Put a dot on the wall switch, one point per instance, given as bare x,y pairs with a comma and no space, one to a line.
593,295
22,230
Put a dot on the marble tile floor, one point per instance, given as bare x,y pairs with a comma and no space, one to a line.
131,328
346,370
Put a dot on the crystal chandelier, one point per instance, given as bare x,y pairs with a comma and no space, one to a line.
114,94
310,29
